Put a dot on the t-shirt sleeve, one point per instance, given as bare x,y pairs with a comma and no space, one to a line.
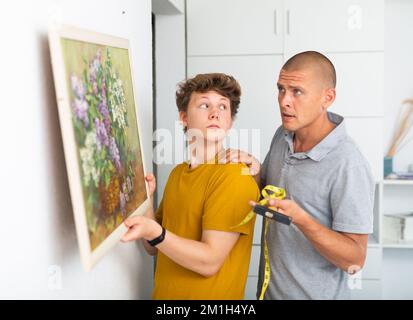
226,202
159,213
352,200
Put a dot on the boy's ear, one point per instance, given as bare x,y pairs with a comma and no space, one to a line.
183,117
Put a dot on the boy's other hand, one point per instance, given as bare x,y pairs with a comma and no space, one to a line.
150,179
239,156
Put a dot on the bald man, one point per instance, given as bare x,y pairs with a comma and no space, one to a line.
329,185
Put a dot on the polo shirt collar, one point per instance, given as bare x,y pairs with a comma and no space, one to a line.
318,152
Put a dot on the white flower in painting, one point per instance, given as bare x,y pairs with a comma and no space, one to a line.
118,102
87,155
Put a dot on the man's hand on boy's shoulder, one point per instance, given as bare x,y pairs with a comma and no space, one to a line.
239,156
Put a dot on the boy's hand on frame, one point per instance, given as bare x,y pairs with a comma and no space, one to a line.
141,227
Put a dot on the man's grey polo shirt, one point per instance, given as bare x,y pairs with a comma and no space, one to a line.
334,184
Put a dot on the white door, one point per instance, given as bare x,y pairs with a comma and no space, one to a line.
334,26
233,27
258,116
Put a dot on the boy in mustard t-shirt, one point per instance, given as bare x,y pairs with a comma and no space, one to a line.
201,254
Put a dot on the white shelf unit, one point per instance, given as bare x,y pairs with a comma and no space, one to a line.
396,197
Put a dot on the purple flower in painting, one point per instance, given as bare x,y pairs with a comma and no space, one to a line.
125,191
77,87
114,152
80,107
104,111
122,202
101,134
129,183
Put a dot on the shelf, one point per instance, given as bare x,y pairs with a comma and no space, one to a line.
397,182
389,244
373,243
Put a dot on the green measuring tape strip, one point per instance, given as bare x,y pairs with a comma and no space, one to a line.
269,192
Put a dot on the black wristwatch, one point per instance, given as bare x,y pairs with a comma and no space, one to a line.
157,240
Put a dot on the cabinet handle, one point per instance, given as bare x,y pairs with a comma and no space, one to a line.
287,14
275,22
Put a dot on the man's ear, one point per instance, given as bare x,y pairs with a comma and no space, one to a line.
183,117
329,97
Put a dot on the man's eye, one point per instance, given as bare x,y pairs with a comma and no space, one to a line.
297,92
281,90
222,107
204,106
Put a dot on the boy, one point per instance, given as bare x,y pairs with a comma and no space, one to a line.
202,252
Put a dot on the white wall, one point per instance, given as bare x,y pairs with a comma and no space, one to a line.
398,71
170,60
37,229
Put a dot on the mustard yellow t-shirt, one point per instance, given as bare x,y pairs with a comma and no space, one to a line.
207,197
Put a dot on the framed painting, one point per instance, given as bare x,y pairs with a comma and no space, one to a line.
100,129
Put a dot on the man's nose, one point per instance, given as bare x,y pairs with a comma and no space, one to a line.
284,100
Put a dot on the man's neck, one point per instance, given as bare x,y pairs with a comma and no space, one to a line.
204,152
307,138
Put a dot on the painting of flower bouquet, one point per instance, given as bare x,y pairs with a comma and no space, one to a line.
97,111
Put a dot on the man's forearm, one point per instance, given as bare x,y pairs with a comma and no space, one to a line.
339,249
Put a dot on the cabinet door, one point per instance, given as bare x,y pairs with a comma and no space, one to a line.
232,27
251,288
255,260
360,84
334,26
258,116
367,133
370,290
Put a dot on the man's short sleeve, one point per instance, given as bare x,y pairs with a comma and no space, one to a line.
227,197
352,200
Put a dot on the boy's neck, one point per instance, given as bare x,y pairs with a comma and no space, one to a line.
201,153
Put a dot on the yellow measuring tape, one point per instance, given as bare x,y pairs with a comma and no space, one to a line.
269,192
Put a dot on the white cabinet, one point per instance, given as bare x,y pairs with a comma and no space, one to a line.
251,288
366,132
369,290
233,27
396,198
251,40
257,76
334,26
360,85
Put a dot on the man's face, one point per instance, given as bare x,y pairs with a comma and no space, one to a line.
301,97
208,115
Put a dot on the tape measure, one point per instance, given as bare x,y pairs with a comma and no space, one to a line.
269,192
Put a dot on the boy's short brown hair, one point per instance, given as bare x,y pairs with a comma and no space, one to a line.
222,83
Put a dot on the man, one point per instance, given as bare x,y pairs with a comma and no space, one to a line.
329,186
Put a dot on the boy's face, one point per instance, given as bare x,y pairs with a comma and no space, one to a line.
208,115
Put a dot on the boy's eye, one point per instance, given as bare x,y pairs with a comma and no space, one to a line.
204,106
222,107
